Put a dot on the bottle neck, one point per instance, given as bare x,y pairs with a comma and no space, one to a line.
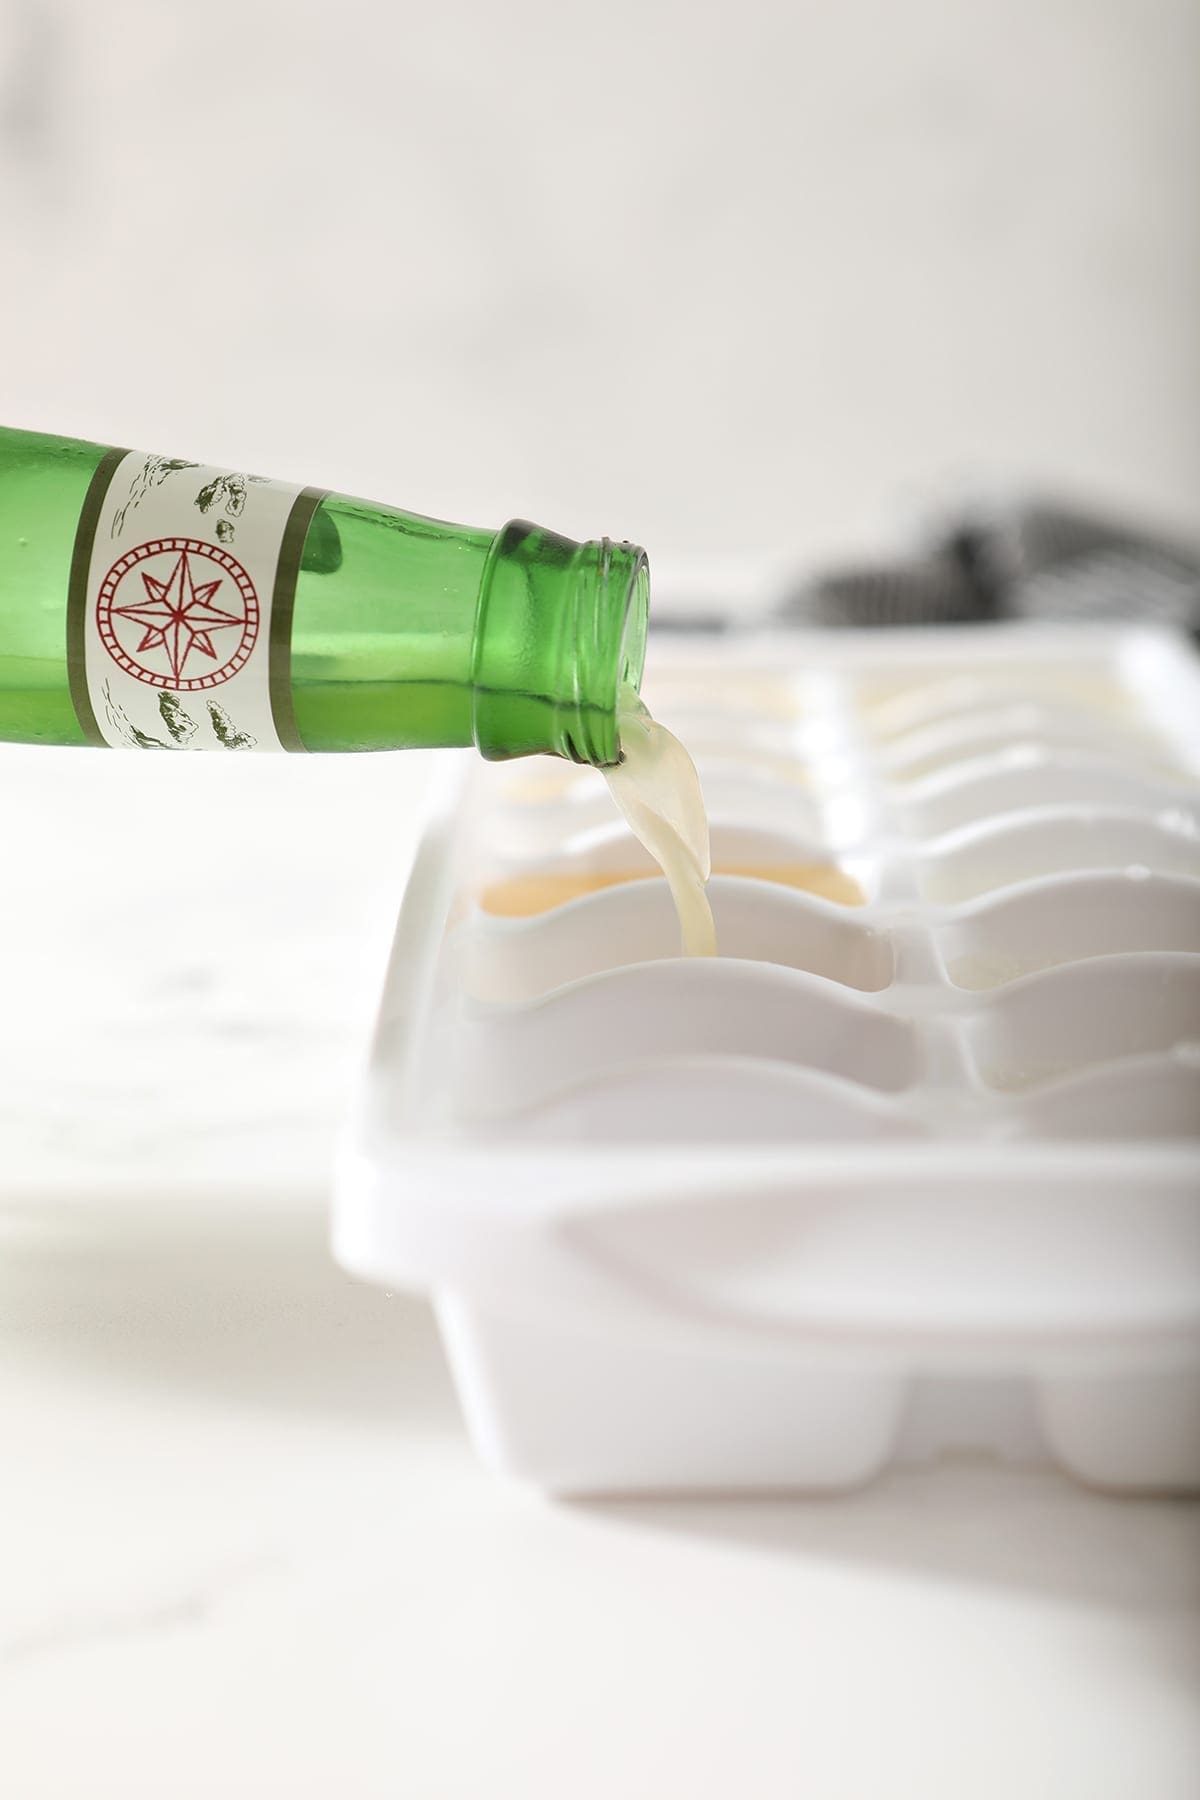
560,630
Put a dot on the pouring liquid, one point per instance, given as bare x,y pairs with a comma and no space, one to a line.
657,790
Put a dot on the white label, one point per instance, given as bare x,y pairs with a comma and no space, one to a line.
176,629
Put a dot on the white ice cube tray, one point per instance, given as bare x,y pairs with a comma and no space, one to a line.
887,1180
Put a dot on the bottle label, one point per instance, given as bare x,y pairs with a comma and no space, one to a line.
180,620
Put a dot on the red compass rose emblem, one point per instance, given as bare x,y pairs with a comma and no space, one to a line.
178,613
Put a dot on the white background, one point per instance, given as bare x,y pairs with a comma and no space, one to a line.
731,281
718,278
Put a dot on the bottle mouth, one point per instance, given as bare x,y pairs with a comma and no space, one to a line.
608,647
560,633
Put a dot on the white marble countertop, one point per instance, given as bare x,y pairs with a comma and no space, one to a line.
246,1547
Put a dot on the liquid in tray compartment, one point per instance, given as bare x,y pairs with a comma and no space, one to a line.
524,896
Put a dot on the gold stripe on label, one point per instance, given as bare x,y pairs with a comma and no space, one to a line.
283,604
77,593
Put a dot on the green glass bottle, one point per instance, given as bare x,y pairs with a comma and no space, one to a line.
156,603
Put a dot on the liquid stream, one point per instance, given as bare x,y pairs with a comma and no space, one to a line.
657,790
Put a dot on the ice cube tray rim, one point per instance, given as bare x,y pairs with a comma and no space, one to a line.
820,1082
480,934
614,998
1045,1100
894,1000
869,920
522,1253
1019,721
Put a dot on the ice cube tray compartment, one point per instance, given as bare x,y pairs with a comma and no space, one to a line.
990,855
1084,1015
714,1099
1028,777
513,1056
1154,1098
923,697
522,958
928,749
1069,918
991,1002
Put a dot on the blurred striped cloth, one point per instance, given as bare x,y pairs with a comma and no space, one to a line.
1029,559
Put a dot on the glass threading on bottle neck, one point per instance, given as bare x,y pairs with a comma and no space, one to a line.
560,630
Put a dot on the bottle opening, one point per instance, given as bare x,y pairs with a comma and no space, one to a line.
560,632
